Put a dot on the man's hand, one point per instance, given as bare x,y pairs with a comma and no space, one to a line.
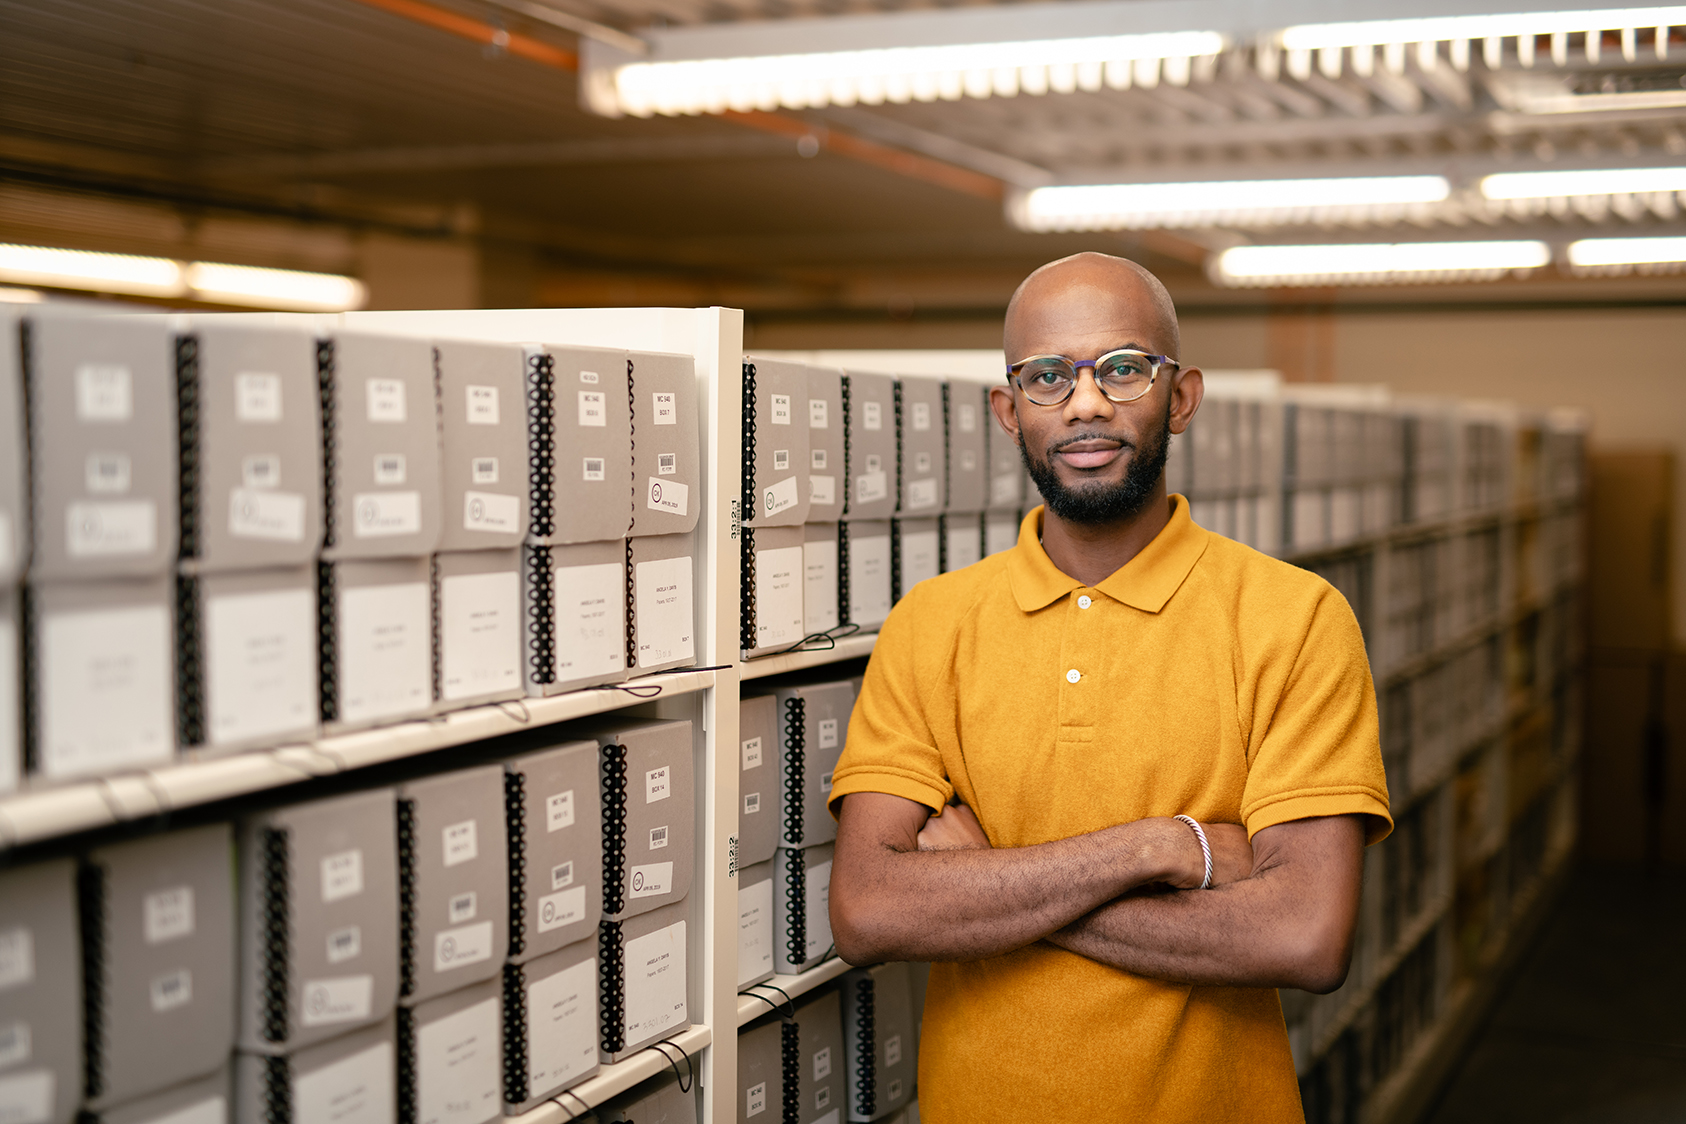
955,829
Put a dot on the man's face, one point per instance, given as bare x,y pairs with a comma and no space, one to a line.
1094,460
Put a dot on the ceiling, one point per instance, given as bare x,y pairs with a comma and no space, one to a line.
290,132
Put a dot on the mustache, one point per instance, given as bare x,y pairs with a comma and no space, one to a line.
1067,442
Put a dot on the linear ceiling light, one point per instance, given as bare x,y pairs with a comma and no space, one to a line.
1116,206
1594,181
904,74
289,289
1605,253
128,274
1432,29
1376,264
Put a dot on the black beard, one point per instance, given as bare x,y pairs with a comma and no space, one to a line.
1100,504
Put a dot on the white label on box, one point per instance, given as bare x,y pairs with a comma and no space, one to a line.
211,1110
354,1090
655,983
257,397
755,930
17,957
562,908
922,462
778,497
822,1064
658,785
818,414
104,393
462,946
968,460
921,416
459,1066
27,1098
167,914
921,494
778,596
893,1050
594,468
819,598
104,530
667,464
828,733
460,842
819,910
261,470
480,634
822,490
482,405
751,803
562,874
968,418
106,690
816,459
755,1101
825,782
874,463
559,810
463,907
668,495
343,999
107,474
919,558
589,377
589,620
650,880
345,944
386,400
781,460
267,516
1004,490
381,514
781,409
172,990
386,651
872,415
663,409
752,753
872,486
592,409
658,837
869,579
822,1097
562,1026
16,1044
662,590
389,468
260,658
342,875
483,470
895,1091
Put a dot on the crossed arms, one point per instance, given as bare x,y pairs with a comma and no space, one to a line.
1281,912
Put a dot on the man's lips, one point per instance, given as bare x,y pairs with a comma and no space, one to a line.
1090,454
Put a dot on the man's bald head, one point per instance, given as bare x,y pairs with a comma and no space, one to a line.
1090,296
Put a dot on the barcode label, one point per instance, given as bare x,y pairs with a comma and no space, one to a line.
751,803
658,838
463,908
594,468
562,874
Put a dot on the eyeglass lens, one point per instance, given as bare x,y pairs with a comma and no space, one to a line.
1122,376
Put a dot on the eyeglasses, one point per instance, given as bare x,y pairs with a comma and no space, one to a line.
1123,375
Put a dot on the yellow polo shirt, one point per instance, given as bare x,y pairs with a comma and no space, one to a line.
1202,678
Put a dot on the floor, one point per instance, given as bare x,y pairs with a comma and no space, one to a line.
1593,1026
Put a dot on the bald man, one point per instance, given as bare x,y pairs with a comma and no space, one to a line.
1115,782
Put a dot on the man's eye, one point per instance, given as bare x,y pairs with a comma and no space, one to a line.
1047,377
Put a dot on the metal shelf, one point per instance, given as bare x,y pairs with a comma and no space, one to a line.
752,1004
848,648
35,816
618,1078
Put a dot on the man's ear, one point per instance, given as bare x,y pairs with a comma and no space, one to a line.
1188,389
1005,409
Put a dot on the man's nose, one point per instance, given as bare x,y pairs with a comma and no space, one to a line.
1087,401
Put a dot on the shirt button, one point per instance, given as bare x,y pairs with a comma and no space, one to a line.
1073,675
1084,602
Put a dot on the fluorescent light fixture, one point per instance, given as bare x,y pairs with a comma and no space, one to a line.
904,74
1376,264
1595,181
128,274
1117,206
1433,29
1600,253
288,289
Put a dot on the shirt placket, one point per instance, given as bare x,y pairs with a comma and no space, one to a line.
1079,660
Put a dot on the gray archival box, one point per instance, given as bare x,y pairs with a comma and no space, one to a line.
377,628
41,1000
647,990
351,1078
760,740
820,1088
666,454
872,446
550,1039
864,550
923,450
761,1073
14,454
573,616
455,1045
660,1100
581,426
555,848
879,1044
968,452
772,605
820,577
827,482
483,445
801,907
649,813
813,726
664,601
755,924
775,436
205,1100
477,630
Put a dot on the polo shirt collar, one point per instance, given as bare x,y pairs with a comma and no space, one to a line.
1146,582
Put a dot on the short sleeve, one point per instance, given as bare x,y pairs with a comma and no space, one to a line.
891,748
1317,745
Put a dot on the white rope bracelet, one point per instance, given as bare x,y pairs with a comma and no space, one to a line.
1205,848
